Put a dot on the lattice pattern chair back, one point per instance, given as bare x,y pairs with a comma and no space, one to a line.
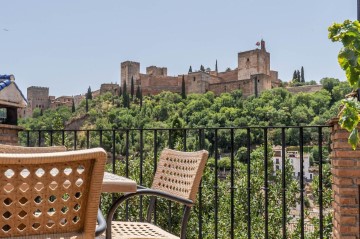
179,173
26,150
50,193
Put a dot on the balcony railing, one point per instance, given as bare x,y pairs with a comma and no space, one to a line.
245,193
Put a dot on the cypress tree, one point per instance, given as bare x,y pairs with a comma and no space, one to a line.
120,91
87,105
73,106
141,98
302,74
190,69
298,76
294,79
89,94
183,93
138,92
202,68
132,90
124,95
216,67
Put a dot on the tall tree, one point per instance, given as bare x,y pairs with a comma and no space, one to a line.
298,76
73,106
302,76
190,69
183,93
120,91
124,95
202,68
138,92
132,90
141,98
87,105
216,66
294,79
89,94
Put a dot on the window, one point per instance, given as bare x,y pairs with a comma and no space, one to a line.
194,78
277,167
277,161
3,115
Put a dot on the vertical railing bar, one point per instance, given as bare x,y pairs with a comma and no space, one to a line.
320,184
248,184
169,202
302,235
27,138
184,139
101,137
216,183
232,212
266,183
75,139
39,143
87,139
141,170
155,168
127,169
63,137
113,159
200,236
51,138
283,181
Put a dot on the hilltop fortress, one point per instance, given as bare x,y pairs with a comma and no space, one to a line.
252,76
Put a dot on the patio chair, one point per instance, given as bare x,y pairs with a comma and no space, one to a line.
177,178
4,148
51,195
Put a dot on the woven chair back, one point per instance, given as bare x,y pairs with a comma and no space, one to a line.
50,193
27,150
179,173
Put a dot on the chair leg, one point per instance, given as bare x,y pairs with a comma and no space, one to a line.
150,209
184,222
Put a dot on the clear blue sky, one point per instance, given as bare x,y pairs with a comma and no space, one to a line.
71,45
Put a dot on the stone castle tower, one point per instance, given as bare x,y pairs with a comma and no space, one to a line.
253,62
129,69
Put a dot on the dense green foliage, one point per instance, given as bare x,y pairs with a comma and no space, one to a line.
275,107
348,33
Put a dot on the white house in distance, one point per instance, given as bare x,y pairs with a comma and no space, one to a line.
294,157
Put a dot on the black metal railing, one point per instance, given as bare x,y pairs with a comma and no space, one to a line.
134,153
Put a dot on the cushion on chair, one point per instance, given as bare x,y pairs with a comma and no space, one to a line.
138,230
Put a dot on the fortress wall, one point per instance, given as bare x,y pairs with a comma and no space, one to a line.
229,75
304,89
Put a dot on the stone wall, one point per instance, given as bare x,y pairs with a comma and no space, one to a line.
9,134
129,69
112,88
304,89
156,71
252,63
38,97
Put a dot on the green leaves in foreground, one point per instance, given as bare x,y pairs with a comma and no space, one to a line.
348,33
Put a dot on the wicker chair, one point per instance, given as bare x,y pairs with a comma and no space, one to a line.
177,178
51,195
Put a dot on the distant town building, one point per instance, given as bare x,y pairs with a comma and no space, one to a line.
294,158
252,76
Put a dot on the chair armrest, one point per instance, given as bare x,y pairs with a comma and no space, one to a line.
101,227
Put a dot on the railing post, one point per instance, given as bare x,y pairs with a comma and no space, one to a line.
345,170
